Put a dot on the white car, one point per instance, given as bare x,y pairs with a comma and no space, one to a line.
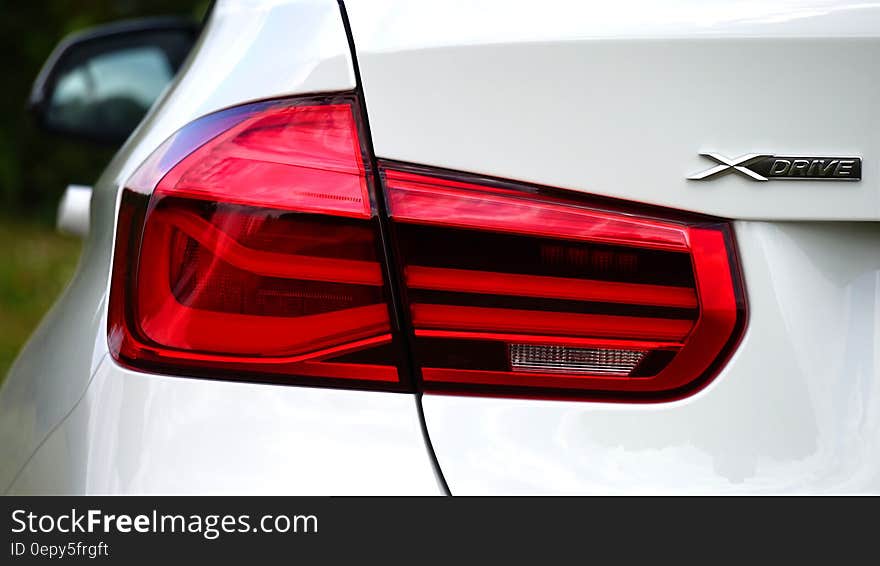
485,247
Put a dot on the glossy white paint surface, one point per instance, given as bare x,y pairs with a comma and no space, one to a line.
423,23
133,433
619,98
797,409
126,432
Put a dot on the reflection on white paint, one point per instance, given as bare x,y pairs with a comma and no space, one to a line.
396,24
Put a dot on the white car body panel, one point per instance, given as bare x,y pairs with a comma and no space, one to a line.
619,98
552,93
555,93
133,433
87,434
796,409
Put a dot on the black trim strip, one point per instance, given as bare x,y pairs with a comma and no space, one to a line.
401,315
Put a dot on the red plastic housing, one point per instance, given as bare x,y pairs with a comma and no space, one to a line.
493,271
248,247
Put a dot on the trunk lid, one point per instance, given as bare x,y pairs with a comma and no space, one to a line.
621,99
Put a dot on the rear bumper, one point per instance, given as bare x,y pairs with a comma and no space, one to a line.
796,409
135,433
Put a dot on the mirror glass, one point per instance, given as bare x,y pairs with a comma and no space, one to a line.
102,89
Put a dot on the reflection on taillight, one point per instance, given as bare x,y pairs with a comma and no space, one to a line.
256,254
526,291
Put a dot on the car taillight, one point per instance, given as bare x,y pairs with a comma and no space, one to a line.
526,291
248,247
252,245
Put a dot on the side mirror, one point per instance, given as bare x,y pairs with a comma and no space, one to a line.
98,84
74,210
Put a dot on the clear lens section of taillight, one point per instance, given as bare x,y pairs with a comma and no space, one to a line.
248,246
526,291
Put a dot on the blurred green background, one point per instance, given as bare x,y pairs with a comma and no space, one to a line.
35,262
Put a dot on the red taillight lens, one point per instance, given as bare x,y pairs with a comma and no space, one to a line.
516,290
250,246
257,252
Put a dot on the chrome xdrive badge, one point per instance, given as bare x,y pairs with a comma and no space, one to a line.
762,167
